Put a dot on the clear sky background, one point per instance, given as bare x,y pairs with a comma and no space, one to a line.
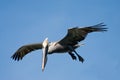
30,21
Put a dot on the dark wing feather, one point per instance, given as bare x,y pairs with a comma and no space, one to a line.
76,34
22,51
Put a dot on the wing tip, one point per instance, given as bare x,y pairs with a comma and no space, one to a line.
99,27
16,57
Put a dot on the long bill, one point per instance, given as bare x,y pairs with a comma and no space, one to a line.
44,55
44,58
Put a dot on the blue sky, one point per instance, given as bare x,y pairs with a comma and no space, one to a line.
30,21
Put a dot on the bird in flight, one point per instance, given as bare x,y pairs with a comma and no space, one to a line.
66,45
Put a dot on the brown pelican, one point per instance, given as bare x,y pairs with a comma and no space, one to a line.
68,44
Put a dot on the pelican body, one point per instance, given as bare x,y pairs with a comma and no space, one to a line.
66,45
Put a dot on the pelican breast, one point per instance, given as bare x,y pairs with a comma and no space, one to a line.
55,47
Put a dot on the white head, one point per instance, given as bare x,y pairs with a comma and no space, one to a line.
45,42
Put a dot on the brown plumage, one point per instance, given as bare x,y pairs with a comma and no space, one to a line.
68,44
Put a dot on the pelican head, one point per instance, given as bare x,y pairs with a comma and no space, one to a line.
45,42
45,52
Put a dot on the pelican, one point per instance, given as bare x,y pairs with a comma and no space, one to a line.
66,45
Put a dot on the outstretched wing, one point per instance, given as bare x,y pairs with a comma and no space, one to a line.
22,51
76,34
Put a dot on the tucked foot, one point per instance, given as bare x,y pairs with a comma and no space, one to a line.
80,58
72,55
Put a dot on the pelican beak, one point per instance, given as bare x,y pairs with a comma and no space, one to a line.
45,52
